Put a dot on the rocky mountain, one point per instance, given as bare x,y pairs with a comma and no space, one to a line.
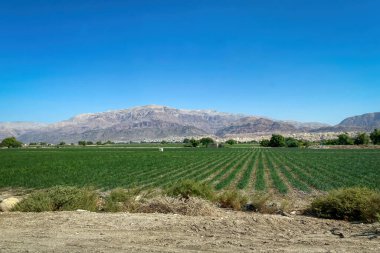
8,129
249,125
365,123
155,123
306,125
135,124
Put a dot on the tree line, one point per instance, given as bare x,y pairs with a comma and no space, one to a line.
278,140
359,139
206,142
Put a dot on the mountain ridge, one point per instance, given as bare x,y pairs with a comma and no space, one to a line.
157,122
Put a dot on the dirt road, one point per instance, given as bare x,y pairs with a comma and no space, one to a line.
230,232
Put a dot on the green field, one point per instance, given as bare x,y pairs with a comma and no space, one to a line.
277,170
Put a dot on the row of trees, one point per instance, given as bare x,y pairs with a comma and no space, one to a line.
85,143
359,139
206,142
278,140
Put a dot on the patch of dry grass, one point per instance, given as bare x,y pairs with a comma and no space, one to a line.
192,206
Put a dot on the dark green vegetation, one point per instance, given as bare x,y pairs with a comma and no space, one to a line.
278,140
271,170
10,142
348,204
375,136
358,139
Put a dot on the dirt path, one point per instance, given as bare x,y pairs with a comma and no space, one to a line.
230,232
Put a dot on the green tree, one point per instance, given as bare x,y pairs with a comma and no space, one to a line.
82,143
277,140
231,142
345,139
361,139
292,143
186,141
375,137
98,143
206,141
62,143
304,143
264,143
89,143
330,142
10,142
194,143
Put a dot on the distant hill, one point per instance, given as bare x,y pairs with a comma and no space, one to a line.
306,125
365,122
8,129
155,123
250,125
136,124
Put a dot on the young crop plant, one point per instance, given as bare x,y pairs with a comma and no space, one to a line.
260,184
289,176
276,179
244,181
232,166
227,181
204,175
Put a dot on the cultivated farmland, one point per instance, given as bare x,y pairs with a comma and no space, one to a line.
249,169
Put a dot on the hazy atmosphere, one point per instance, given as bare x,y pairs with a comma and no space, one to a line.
299,60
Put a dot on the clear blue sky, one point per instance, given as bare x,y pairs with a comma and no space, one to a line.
296,59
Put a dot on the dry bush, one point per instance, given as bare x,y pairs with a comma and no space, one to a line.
192,206
59,198
267,203
125,200
259,202
232,199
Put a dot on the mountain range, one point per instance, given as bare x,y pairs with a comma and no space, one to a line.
155,123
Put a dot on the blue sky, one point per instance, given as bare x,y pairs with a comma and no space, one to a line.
301,60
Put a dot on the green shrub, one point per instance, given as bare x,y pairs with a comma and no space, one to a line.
353,204
122,200
189,188
59,198
232,199
265,143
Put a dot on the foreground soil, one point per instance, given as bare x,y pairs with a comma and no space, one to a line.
82,231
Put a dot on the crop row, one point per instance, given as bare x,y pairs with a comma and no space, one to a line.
248,169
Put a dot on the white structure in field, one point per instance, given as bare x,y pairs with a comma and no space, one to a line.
161,149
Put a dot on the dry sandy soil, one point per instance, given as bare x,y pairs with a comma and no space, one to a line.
82,231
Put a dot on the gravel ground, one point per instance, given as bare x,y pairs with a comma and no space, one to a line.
82,231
